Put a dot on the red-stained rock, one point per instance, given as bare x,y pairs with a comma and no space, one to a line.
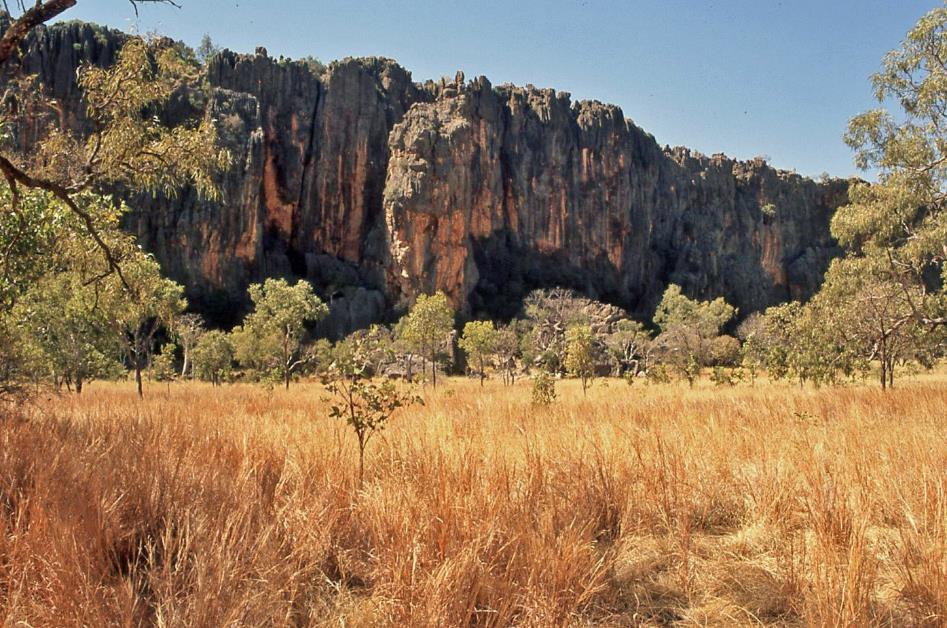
376,189
490,192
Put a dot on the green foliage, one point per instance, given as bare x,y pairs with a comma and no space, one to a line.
778,343
800,342
68,330
213,357
137,309
121,100
270,340
28,236
365,405
705,317
544,389
860,315
128,144
882,301
206,49
53,223
722,376
580,354
427,327
479,341
899,223
751,333
162,365
688,330
17,362
41,237
865,316
79,312
658,374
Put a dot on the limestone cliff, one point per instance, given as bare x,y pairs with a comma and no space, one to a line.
377,188
492,191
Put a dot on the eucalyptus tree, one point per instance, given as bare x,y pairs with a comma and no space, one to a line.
580,354
48,187
631,346
687,328
188,329
69,330
900,222
479,341
138,306
872,318
270,341
126,146
427,328
213,357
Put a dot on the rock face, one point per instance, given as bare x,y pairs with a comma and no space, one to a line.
493,191
376,188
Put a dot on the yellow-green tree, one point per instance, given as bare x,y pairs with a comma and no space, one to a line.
270,341
687,328
580,354
900,222
213,356
138,306
479,342
128,145
427,327
68,330
865,316
48,202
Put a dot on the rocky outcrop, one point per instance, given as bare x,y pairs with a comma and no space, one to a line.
376,188
304,196
493,191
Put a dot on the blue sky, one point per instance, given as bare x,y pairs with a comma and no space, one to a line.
741,77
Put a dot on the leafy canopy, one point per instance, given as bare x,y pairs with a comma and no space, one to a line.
427,327
270,340
127,145
580,353
479,342
900,222
705,317
213,356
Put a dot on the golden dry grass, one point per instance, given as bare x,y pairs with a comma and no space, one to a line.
640,505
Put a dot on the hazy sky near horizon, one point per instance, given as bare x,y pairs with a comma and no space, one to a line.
742,77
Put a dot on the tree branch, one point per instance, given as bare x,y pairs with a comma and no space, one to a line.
11,172
40,13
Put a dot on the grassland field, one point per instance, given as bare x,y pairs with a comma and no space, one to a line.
765,504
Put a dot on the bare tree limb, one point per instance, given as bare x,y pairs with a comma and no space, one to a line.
135,3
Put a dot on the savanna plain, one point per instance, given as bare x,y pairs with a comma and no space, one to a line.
643,504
